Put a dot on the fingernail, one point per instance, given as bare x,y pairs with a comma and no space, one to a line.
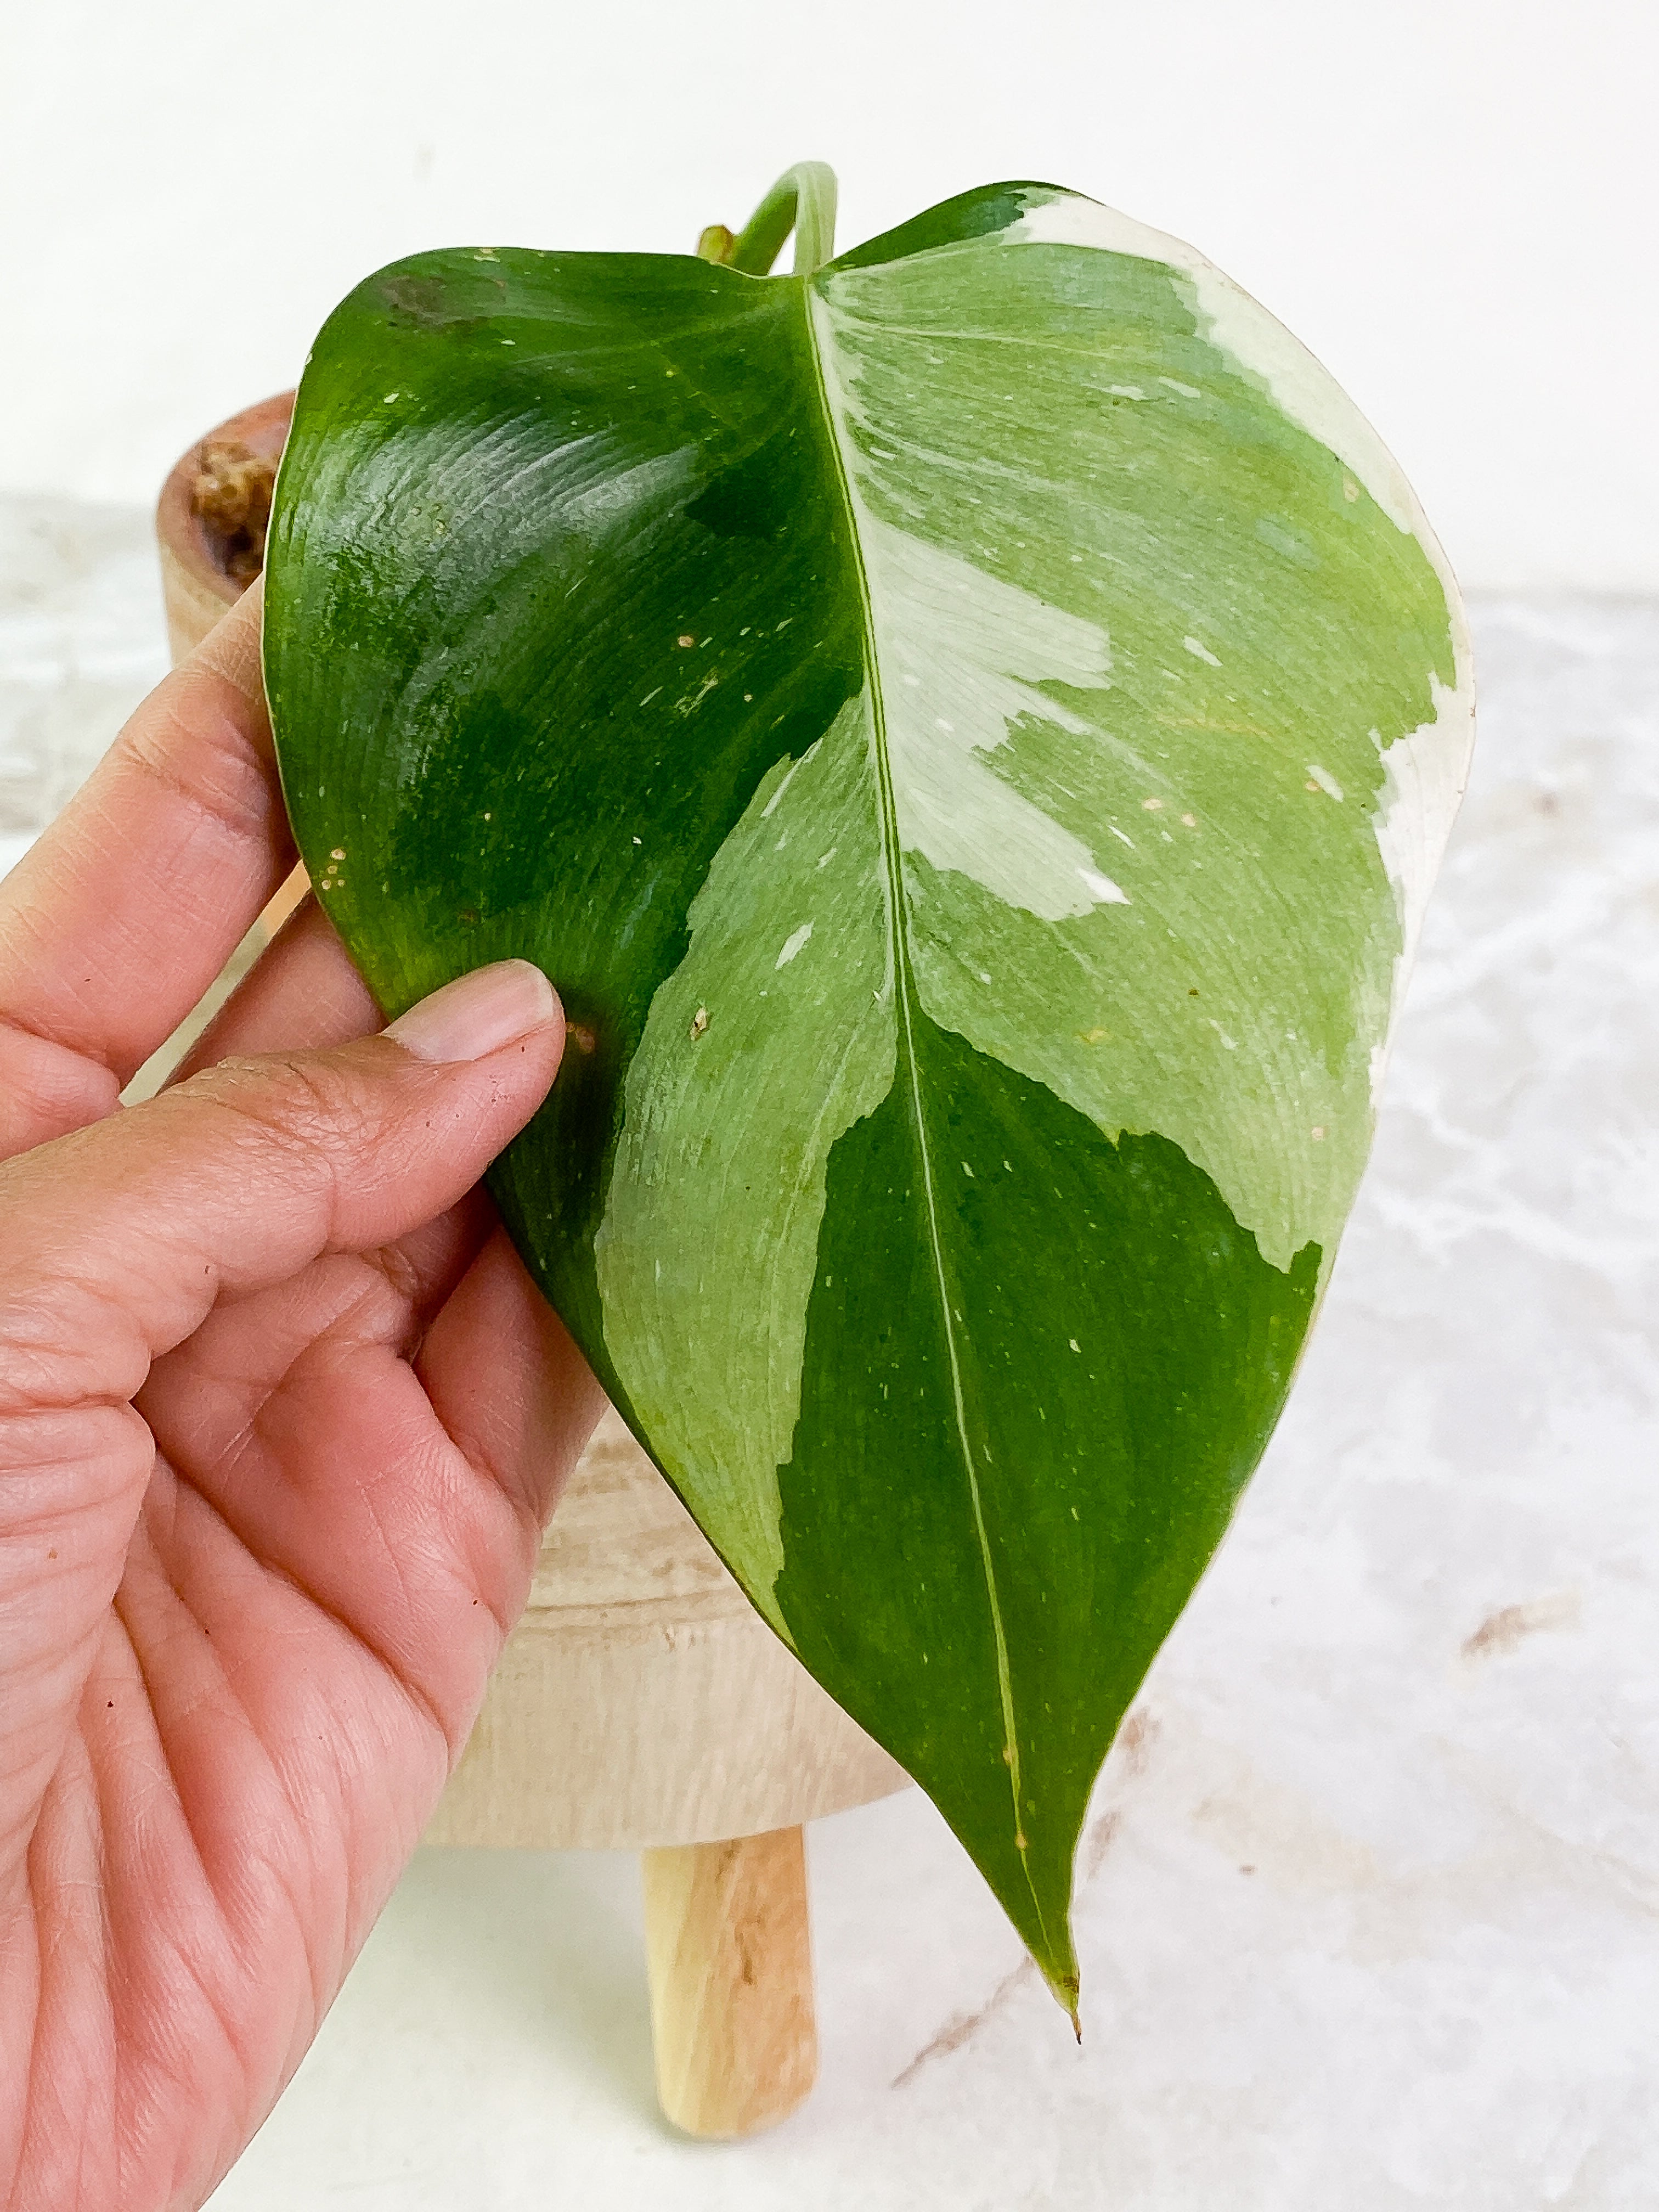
477,1014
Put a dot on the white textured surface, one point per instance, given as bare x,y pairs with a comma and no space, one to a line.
80,641
1369,1917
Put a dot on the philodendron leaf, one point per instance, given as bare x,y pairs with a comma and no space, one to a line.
968,731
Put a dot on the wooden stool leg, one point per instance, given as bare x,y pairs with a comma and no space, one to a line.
730,1960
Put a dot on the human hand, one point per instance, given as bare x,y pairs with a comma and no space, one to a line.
281,1419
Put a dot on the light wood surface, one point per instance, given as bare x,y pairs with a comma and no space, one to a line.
731,1967
641,1699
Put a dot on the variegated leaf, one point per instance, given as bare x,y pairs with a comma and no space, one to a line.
968,731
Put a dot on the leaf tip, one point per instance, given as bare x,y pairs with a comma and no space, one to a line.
1068,1989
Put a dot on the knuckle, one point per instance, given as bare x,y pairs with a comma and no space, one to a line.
309,1112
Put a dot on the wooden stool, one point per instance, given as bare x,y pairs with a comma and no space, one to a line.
641,1704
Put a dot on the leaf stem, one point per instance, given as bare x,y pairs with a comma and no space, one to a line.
802,200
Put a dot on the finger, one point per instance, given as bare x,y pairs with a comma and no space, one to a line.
404,1523
507,1381
115,1242
302,993
114,925
203,1400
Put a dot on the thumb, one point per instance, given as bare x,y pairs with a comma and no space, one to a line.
115,1241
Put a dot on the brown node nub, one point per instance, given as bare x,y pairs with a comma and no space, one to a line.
717,244
230,492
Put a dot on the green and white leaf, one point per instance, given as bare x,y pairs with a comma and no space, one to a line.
970,730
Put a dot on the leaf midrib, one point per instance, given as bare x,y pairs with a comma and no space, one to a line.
904,992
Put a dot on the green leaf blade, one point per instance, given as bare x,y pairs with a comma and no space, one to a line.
969,734
1040,1444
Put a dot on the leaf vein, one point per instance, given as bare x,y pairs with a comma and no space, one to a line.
820,349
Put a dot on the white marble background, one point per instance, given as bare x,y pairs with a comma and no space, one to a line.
1369,1906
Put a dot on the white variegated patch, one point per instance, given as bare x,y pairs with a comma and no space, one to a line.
1428,769
959,653
783,984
